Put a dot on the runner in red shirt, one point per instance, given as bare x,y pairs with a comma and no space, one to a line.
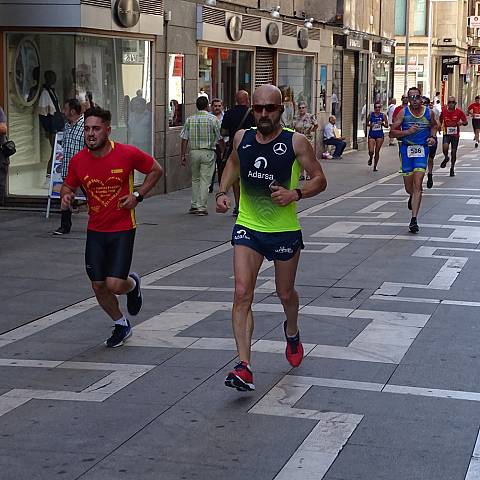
474,110
451,118
395,113
104,169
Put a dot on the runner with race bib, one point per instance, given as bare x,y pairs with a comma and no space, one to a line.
376,121
474,111
452,119
416,128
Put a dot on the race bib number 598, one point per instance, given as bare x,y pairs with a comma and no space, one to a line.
415,151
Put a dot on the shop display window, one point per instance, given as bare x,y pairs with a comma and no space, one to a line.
323,88
336,100
363,109
222,72
381,82
176,90
295,80
110,72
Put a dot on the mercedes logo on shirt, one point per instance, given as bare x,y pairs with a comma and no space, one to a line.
279,148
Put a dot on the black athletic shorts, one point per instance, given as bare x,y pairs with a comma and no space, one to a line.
273,246
451,140
108,254
476,124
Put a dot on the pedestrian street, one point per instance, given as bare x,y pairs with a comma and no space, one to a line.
388,389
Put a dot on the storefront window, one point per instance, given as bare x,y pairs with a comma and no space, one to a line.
222,72
176,90
110,72
337,86
362,107
400,17
295,80
323,88
381,82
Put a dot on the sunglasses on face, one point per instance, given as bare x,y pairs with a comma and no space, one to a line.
453,102
269,107
414,97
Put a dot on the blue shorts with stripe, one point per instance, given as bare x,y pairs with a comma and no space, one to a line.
273,246
409,165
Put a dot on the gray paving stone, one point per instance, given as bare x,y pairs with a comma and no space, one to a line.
324,330
358,462
345,370
22,464
62,426
136,356
48,378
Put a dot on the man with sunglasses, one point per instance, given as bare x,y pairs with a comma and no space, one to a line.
268,160
416,127
452,118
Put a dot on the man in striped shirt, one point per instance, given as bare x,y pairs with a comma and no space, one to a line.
73,142
201,133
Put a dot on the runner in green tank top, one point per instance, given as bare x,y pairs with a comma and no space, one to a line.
268,160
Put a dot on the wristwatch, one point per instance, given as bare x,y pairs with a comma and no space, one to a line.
138,196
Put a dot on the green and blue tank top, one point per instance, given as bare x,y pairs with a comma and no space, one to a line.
260,164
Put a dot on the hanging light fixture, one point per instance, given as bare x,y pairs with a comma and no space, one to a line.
275,12
308,23
211,3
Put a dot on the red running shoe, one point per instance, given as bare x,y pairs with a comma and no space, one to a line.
241,378
294,348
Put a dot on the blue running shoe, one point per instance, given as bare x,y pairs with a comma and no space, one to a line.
120,334
134,298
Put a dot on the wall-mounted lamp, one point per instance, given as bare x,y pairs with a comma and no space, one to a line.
211,3
346,31
275,12
308,23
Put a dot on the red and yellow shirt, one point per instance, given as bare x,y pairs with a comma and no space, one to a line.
451,120
107,179
475,109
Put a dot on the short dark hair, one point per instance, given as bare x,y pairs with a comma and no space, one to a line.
74,104
413,88
478,96
202,103
216,100
99,112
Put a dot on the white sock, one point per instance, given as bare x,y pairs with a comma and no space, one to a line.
122,321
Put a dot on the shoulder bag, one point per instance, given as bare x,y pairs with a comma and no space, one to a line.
228,150
8,148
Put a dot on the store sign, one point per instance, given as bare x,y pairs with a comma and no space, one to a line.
235,28
127,12
273,33
132,58
386,48
474,58
302,38
453,60
411,68
355,43
474,22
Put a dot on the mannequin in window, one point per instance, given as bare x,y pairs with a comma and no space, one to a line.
50,115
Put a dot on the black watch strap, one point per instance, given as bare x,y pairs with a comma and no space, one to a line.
138,196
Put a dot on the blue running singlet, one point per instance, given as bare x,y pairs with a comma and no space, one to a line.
376,125
414,147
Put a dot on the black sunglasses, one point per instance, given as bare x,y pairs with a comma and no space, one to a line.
414,97
452,102
269,107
